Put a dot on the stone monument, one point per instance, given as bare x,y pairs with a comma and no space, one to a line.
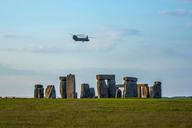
143,90
85,91
50,92
63,84
155,90
106,86
39,91
130,87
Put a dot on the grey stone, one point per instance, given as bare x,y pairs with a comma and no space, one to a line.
63,84
39,91
102,89
111,88
70,86
130,79
118,93
85,92
92,92
155,90
105,77
62,78
76,95
130,87
50,91
106,86
119,85
143,90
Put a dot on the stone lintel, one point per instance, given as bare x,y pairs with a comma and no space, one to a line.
38,86
139,85
84,84
105,77
157,83
63,78
134,79
120,85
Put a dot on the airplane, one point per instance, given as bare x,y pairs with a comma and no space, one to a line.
81,37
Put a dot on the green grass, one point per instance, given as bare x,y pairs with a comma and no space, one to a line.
106,113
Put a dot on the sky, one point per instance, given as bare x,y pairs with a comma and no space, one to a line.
150,40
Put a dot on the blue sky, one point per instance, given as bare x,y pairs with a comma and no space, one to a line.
147,39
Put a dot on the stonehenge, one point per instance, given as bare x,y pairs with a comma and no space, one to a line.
67,86
106,86
63,82
85,91
155,90
50,92
130,87
118,93
143,90
70,86
39,91
92,93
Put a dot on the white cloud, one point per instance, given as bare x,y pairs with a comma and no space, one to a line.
177,12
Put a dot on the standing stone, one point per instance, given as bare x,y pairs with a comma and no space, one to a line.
102,89
76,95
92,92
155,90
39,91
63,84
118,93
70,86
143,90
130,87
106,89
85,92
50,91
112,88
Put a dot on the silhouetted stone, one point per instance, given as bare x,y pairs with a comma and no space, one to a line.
92,92
155,90
70,86
118,93
130,87
76,95
111,88
50,91
63,84
39,91
102,89
105,77
143,90
85,92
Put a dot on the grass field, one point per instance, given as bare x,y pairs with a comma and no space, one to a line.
101,113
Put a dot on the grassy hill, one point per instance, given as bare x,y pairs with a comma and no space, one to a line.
106,113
